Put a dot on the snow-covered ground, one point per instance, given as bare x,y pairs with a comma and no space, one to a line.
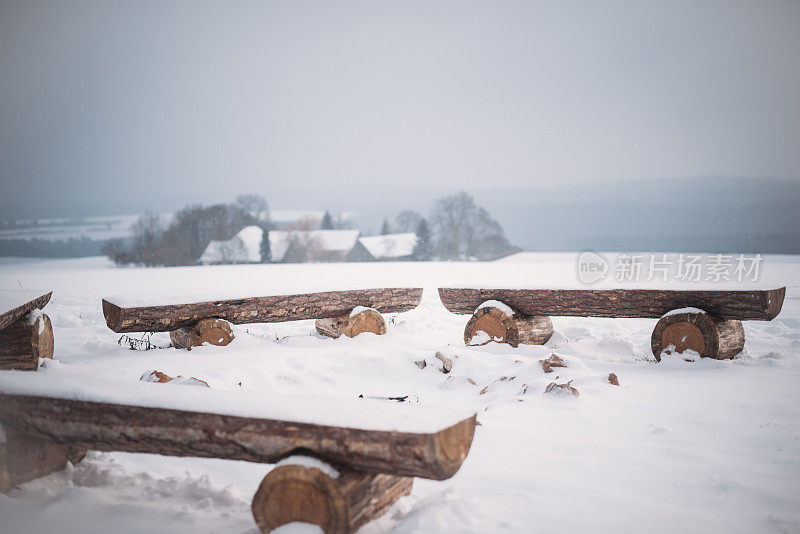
708,446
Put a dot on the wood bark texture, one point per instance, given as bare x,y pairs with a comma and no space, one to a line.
7,317
742,305
338,505
513,329
367,320
271,309
212,331
116,427
709,336
22,344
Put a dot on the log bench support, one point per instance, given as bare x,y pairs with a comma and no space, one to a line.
706,334
212,331
339,500
25,341
501,324
356,322
24,458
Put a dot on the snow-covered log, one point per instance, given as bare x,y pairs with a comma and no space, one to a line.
25,341
269,309
339,500
128,428
706,334
494,321
212,331
762,305
15,305
356,322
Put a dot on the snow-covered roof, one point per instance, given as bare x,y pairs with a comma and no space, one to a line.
244,247
329,240
390,245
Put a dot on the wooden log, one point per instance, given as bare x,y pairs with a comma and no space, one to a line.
116,427
742,305
212,331
499,326
706,334
23,343
352,324
7,317
271,309
337,504
23,458
533,329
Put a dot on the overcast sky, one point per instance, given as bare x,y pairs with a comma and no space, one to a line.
106,103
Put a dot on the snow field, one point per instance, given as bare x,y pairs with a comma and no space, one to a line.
705,446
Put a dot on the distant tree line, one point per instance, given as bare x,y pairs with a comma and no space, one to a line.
457,229
47,248
183,240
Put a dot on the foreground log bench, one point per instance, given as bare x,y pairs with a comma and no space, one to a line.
346,476
26,334
196,323
708,322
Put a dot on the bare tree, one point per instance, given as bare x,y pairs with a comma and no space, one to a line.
303,243
463,231
147,233
407,221
254,205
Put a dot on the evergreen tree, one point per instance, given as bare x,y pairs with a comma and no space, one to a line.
422,250
385,230
266,253
327,221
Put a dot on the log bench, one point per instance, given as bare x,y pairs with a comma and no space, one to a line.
344,478
707,322
336,312
26,334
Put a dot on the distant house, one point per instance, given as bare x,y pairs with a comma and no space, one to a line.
244,247
311,245
389,247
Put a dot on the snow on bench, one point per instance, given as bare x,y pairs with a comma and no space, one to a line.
706,321
195,323
374,447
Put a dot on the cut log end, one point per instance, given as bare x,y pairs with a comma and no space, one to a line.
212,331
336,504
22,343
112,314
350,325
490,323
42,340
706,334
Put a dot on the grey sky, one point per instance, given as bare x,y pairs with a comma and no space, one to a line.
107,102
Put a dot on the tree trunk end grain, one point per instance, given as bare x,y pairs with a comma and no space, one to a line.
498,326
350,325
212,331
22,343
706,334
338,505
24,458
